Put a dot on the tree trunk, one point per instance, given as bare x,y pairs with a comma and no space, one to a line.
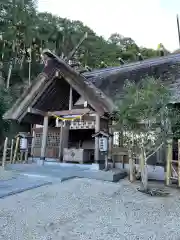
29,74
1,75
23,58
144,170
131,166
11,64
9,75
29,63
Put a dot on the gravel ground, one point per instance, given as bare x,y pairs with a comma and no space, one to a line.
89,209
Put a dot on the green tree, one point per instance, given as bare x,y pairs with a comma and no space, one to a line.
148,52
24,32
116,39
142,117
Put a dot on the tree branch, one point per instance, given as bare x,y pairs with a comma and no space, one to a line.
154,151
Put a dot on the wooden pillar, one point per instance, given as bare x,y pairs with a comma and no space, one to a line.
97,129
60,142
11,152
64,139
70,99
4,152
16,150
168,162
33,143
44,138
110,141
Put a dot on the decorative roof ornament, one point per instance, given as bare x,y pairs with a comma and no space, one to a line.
44,59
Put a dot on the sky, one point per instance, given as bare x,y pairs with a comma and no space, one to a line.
148,22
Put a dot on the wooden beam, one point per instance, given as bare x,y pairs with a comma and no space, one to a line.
71,112
18,110
80,101
39,90
36,111
93,114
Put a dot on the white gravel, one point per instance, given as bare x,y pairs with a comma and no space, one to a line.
89,209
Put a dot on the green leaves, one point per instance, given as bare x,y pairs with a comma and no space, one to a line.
23,27
20,22
142,111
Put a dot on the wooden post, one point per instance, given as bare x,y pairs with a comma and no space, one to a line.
61,143
97,129
110,145
11,153
70,99
106,161
21,157
168,162
4,152
178,162
26,157
64,137
16,150
44,138
33,143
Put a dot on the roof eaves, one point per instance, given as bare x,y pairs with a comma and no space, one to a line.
15,112
96,98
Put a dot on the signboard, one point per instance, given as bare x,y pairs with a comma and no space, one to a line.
71,116
23,144
103,144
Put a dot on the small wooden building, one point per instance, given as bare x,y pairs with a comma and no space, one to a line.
60,93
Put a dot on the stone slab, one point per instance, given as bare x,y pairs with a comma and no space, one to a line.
20,184
103,175
6,175
65,173
22,177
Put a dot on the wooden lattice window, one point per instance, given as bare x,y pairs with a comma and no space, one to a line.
38,140
53,139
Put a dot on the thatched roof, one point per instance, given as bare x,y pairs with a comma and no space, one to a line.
111,80
49,92
101,88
